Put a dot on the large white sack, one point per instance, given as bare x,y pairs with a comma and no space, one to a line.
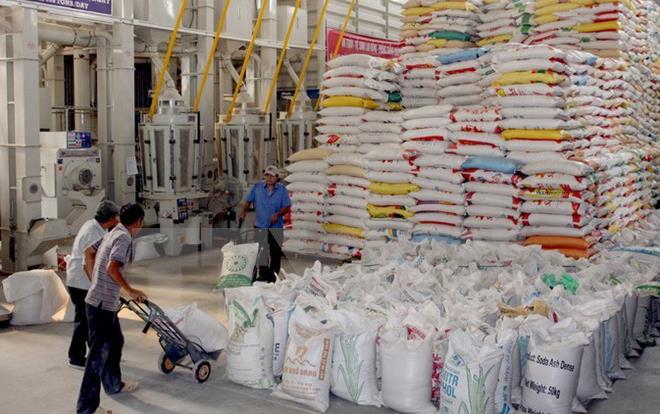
509,374
37,295
250,348
238,263
354,360
470,375
552,365
611,346
307,366
407,366
279,301
588,387
199,327
631,312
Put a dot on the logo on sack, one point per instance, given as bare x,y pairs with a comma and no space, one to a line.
237,263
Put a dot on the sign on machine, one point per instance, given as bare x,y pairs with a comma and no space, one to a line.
94,6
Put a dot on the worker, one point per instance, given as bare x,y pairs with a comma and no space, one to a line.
110,256
271,203
78,276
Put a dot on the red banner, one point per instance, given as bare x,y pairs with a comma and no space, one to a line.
354,43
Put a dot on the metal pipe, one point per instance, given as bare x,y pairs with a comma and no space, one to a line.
211,57
226,61
280,62
51,51
66,35
291,71
310,52
166,62
255,33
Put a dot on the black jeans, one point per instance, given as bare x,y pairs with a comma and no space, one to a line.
106,343
79,340
270,244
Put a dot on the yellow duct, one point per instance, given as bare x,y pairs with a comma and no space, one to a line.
280,62
310,52
166,62
211,58
248,55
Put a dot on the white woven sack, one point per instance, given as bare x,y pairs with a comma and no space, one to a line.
450,161
342,111
481,222
250,348
439,218
482,210
427,112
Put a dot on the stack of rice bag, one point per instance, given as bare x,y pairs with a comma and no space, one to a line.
358,90
307,186
436,25
432,28
504,21
439,205
463,77
389,171
531,90
419,87
346,212
493,206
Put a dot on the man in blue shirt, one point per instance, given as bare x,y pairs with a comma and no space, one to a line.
271,203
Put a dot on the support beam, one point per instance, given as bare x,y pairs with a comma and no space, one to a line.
20,194
121,186
203,95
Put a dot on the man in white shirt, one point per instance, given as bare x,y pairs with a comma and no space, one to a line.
79,275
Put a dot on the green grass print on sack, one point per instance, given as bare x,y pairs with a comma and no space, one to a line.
351,366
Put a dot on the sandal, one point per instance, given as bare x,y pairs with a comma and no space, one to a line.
129,387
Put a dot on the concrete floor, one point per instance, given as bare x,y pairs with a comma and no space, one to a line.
34,377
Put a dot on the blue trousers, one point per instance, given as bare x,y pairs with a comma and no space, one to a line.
105,345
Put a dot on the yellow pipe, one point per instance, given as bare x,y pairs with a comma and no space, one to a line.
344,26
211,58
342,32
280,62
248,55
315,38
166,62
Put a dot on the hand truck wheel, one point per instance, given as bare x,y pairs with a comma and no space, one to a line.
165,365
202,371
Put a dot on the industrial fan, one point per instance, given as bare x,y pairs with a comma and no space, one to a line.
226,195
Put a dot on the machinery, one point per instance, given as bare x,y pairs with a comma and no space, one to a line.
295,132
171,156
245,141
71,178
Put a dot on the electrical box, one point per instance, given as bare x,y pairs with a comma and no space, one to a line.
240,18
299,35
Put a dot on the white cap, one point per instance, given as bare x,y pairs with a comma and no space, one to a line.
272,170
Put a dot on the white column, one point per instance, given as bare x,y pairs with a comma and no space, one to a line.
268,65
20,194
55,82
206,21
82,96
122,101
103,64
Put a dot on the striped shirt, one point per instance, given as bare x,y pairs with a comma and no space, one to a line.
115,246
